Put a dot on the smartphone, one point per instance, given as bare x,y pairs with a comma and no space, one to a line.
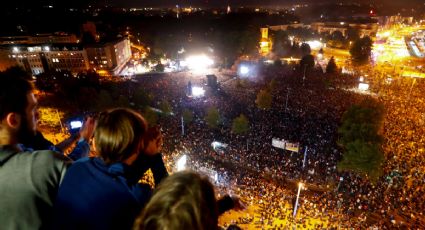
76,124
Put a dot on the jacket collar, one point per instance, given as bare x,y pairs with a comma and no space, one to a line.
7,151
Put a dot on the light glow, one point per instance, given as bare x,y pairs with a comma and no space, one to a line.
198,91
244,70
199,62
76,124
315,45
363,86
181,163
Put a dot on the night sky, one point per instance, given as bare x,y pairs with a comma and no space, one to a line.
212,3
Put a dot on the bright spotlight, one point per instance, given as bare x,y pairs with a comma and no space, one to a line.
215,144
183,63
363,86
198,91
181,163
315,45
244,70
199,62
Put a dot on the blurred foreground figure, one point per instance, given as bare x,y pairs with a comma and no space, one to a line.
103,192
184,200
29,180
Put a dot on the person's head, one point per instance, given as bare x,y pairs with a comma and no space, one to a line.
153,140
184,200
18,110
119,135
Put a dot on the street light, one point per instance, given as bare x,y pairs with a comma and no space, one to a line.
300,185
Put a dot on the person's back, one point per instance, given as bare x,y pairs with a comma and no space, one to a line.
96,196
29,183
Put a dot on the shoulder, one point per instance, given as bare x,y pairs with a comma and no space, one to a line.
49,157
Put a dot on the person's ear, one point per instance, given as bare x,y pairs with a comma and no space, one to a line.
13,120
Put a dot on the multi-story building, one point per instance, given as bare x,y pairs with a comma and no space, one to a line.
39,39
365,29
41,58
110,57
107,58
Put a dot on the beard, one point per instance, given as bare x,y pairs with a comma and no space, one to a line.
25,133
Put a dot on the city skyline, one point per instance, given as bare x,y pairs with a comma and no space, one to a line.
201,3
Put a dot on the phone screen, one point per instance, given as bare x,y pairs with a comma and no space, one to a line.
76,124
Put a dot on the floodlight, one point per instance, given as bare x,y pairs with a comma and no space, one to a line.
363,86
199,62
181,163
244,70
198,91
315,45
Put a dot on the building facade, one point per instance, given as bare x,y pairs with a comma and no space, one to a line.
107,58
37,59
365,29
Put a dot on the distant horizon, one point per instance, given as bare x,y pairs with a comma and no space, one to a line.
203,3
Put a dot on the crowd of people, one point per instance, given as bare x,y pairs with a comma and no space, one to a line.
308,113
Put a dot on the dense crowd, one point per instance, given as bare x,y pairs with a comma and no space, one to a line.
309,113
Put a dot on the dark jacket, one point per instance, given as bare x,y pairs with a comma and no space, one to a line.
94,195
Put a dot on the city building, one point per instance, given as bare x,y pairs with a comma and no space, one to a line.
265,42
365,29
109,58
37,59
395,19
106,58
39,39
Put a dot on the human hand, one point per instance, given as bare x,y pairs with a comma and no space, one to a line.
238,204
87,130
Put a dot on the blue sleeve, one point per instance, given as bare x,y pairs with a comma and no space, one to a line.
81,150
158,169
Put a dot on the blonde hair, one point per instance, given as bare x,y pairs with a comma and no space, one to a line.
184,200
118,134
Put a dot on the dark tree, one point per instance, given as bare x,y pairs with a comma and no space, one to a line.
45,82
264,99
213,117
150,116
165,107
187,116
240,125
88,38
307,62
361,139
141,98
17,71
353,34
331,67
305,49
361,50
